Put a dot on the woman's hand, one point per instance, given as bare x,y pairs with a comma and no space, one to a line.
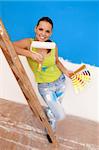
69,73
37,57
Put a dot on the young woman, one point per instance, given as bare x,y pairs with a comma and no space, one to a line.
51,78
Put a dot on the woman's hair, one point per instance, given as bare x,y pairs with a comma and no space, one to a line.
48,50
47,19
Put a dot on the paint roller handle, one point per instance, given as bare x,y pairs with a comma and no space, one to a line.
44,45
39,67
39,58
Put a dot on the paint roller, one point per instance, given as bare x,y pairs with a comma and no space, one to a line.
44,45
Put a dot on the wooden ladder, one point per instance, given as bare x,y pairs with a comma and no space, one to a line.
23,81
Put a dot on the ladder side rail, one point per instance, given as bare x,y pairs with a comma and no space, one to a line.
26,85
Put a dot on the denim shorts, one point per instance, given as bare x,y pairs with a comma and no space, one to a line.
52,94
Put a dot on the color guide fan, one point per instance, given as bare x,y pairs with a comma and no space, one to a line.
80,78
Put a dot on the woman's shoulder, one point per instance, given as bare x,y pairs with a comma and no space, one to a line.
27,42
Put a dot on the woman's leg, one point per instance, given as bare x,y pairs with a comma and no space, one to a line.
55,110
60,92
51,118
60,88
54,105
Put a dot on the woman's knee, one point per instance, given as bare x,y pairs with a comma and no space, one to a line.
61,116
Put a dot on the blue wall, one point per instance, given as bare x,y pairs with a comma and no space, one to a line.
76,25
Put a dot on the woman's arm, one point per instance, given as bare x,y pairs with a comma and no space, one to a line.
24,43
22,47
61,66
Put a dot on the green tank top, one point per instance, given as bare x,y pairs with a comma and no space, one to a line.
49,71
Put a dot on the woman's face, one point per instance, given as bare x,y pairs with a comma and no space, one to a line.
43,31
